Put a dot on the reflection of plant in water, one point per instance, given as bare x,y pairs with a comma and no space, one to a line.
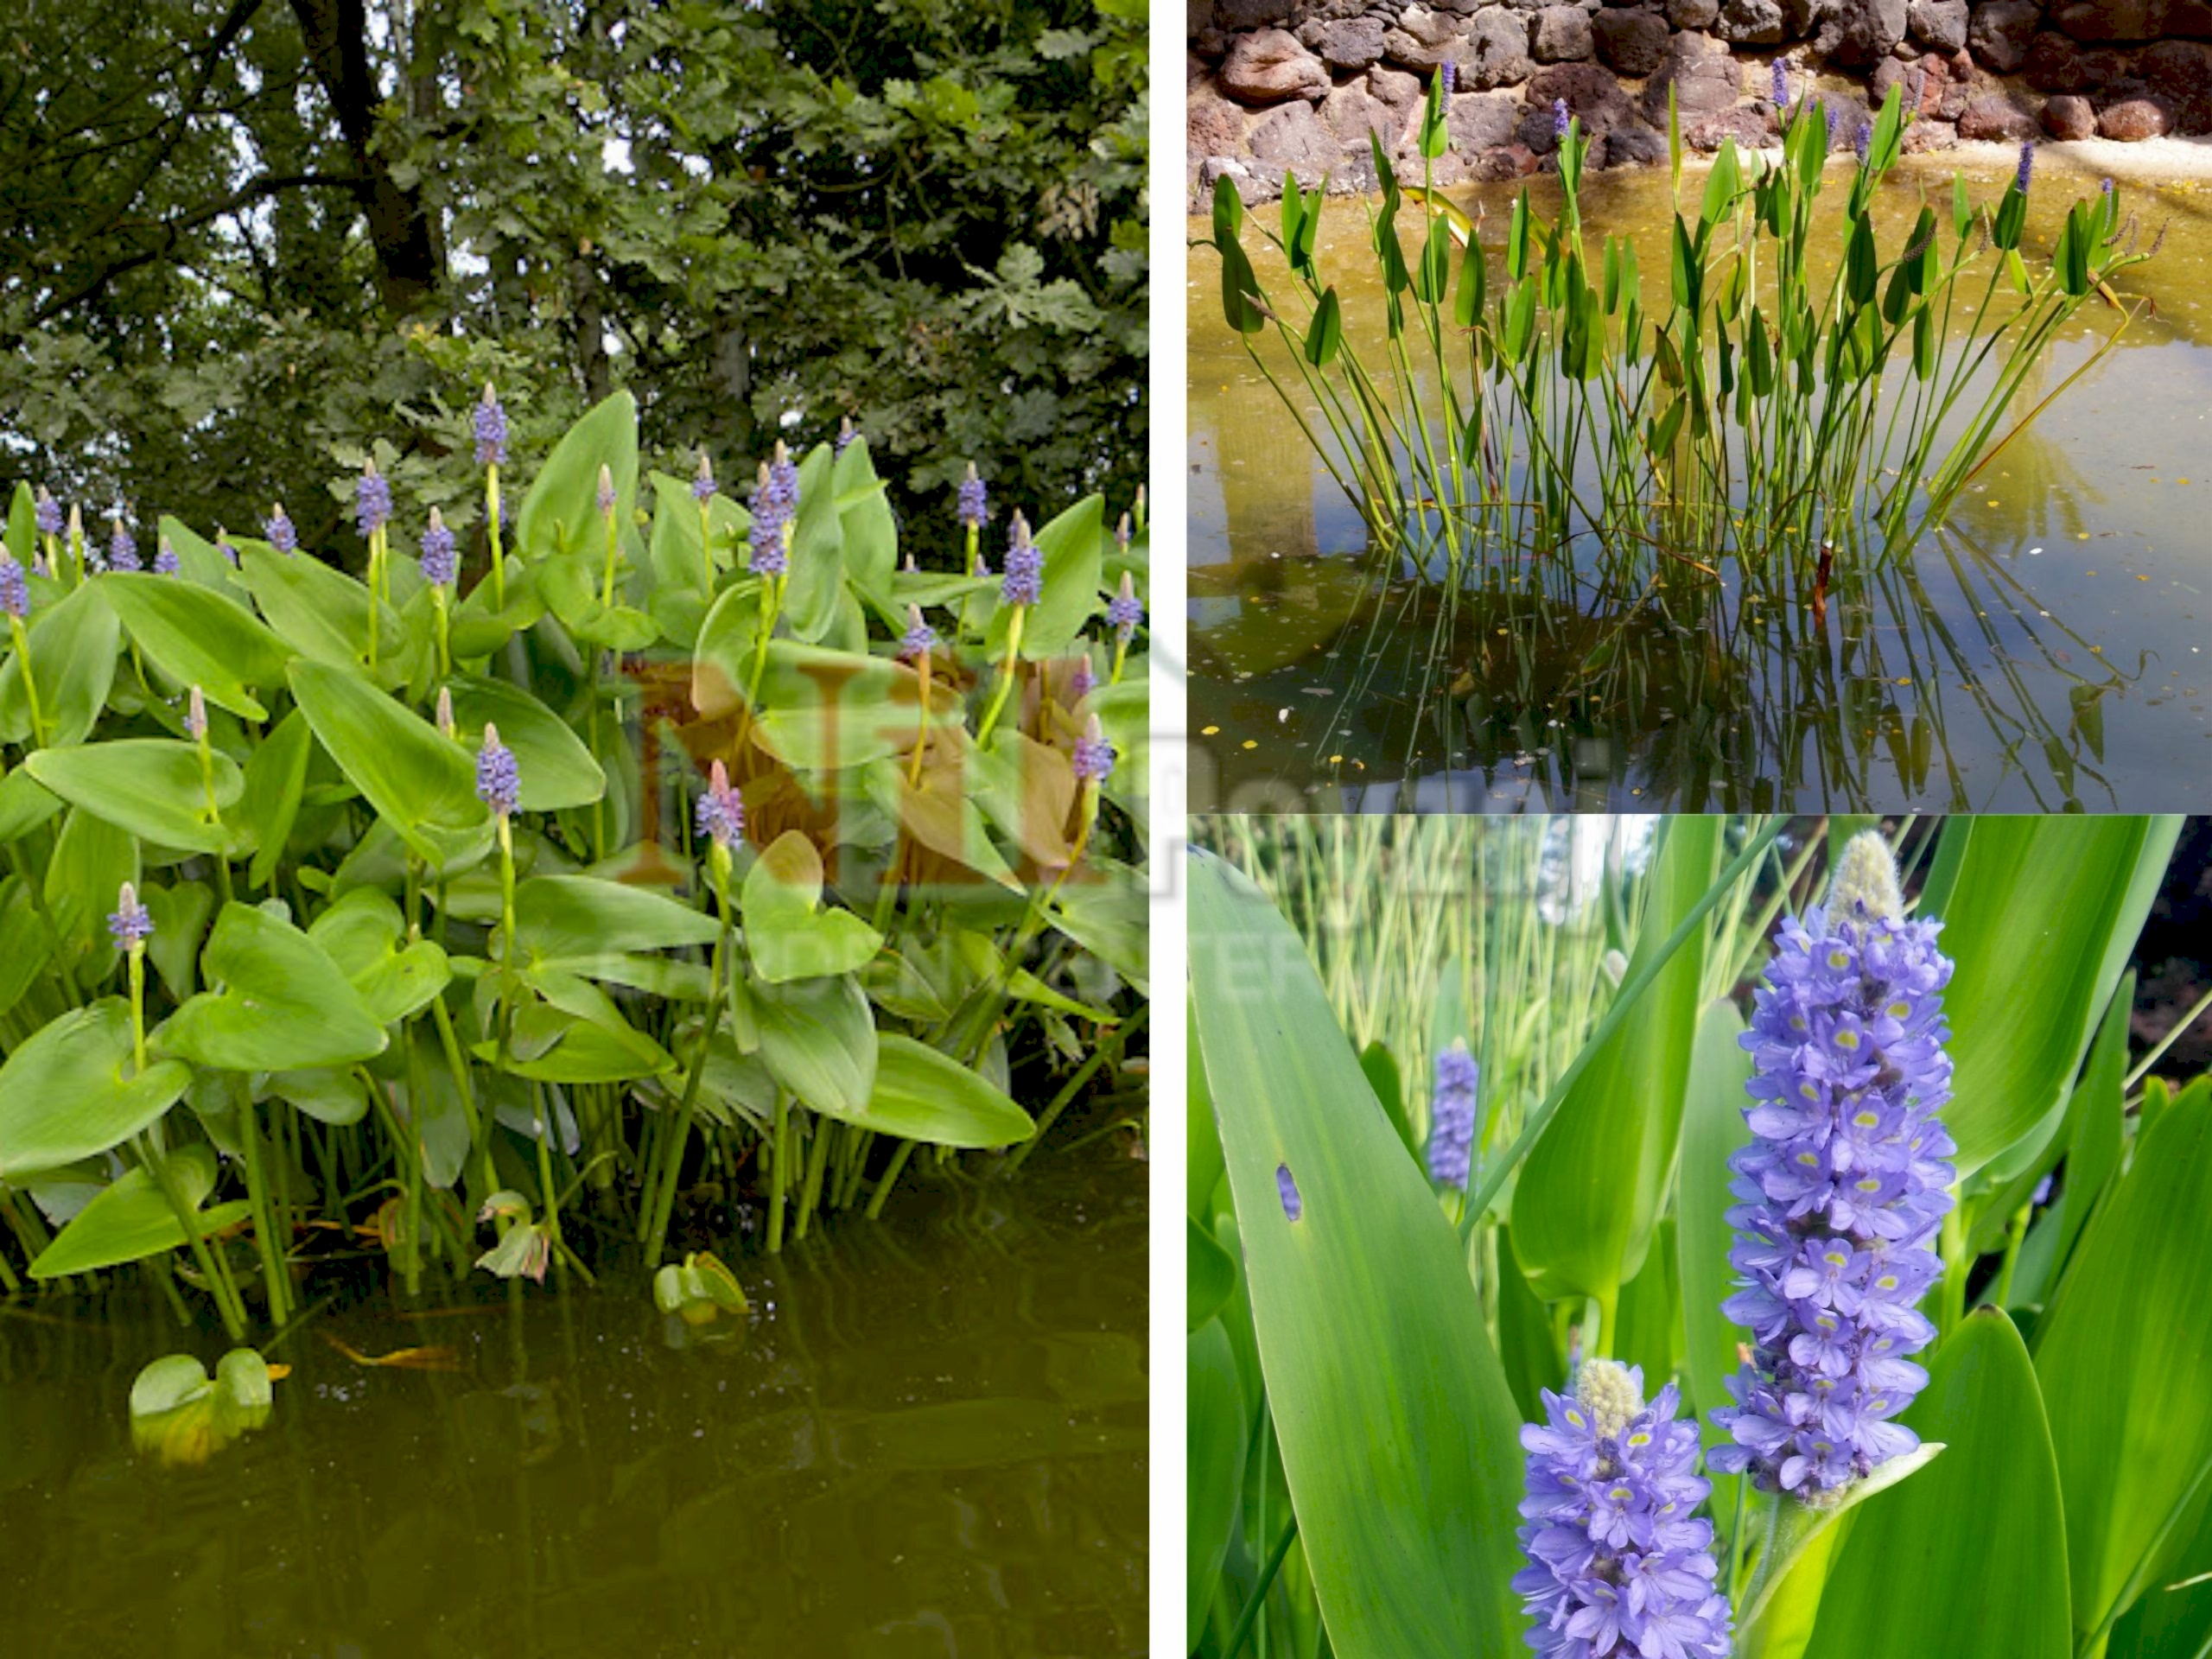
1747,422
181,1415
1703,694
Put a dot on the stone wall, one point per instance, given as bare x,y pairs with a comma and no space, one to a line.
1297,85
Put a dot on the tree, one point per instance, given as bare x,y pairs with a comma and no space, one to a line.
245,242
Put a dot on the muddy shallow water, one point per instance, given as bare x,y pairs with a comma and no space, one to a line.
930,1441
2045,650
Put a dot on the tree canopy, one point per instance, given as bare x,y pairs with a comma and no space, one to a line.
244,244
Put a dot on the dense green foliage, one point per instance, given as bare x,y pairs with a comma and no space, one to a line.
237,237
740,908
1361,1361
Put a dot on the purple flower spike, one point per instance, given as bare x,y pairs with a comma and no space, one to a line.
606,491
722,813
1617,1566
123,548
1864,139
279,532
1452,1117
440,564
1125,611
702,481
1842,1187
1835,124
223,546
14,587
1450,71
1781,84
2027,167
2107,186
498,779
130,925
491,422
845,432
1081,682
774,505
973,505
46,513
371,500
1093,756
165,562
921,639
1559,117
1024,581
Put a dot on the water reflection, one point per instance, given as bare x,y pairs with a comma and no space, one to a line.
932,1442
2041,652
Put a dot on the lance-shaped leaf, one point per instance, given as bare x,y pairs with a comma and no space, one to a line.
420,781
920,1094
1987,1514
560,512
197,637
1216,1439
1399,1438
557,770
71,1090
152,787
2040,920
132,1219
788,934
282,1001
2126,1368
563,919
818,1036
1591,1188
73,662
319,612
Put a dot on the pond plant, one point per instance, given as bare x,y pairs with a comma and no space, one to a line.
1756,413
1711,1240
679,866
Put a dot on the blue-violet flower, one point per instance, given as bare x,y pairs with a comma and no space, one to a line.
1125,611
130,924
721,810
122,547
1451,1116
1616,1564
165,562
974,503
491,430
371,500
1094,756
921,639
47,514
1024,581
440,564
14,587
279,532
498,778
2027,167
1842,1186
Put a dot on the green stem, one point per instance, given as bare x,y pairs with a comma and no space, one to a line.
491,520
1257,1599
781,1144
30,683
818,1159
653,1231
1005,674
889,1179
218,1282
275,1275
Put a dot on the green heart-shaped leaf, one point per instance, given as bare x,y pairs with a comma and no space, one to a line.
282,1002
69,1091
789,937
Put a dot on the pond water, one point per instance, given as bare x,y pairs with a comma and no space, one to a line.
2045,650
931,1441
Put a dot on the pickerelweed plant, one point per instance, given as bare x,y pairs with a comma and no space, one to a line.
1757,415
1820,1146
629,864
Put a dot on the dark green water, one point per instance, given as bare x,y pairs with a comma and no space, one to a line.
931,1441
2044,650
